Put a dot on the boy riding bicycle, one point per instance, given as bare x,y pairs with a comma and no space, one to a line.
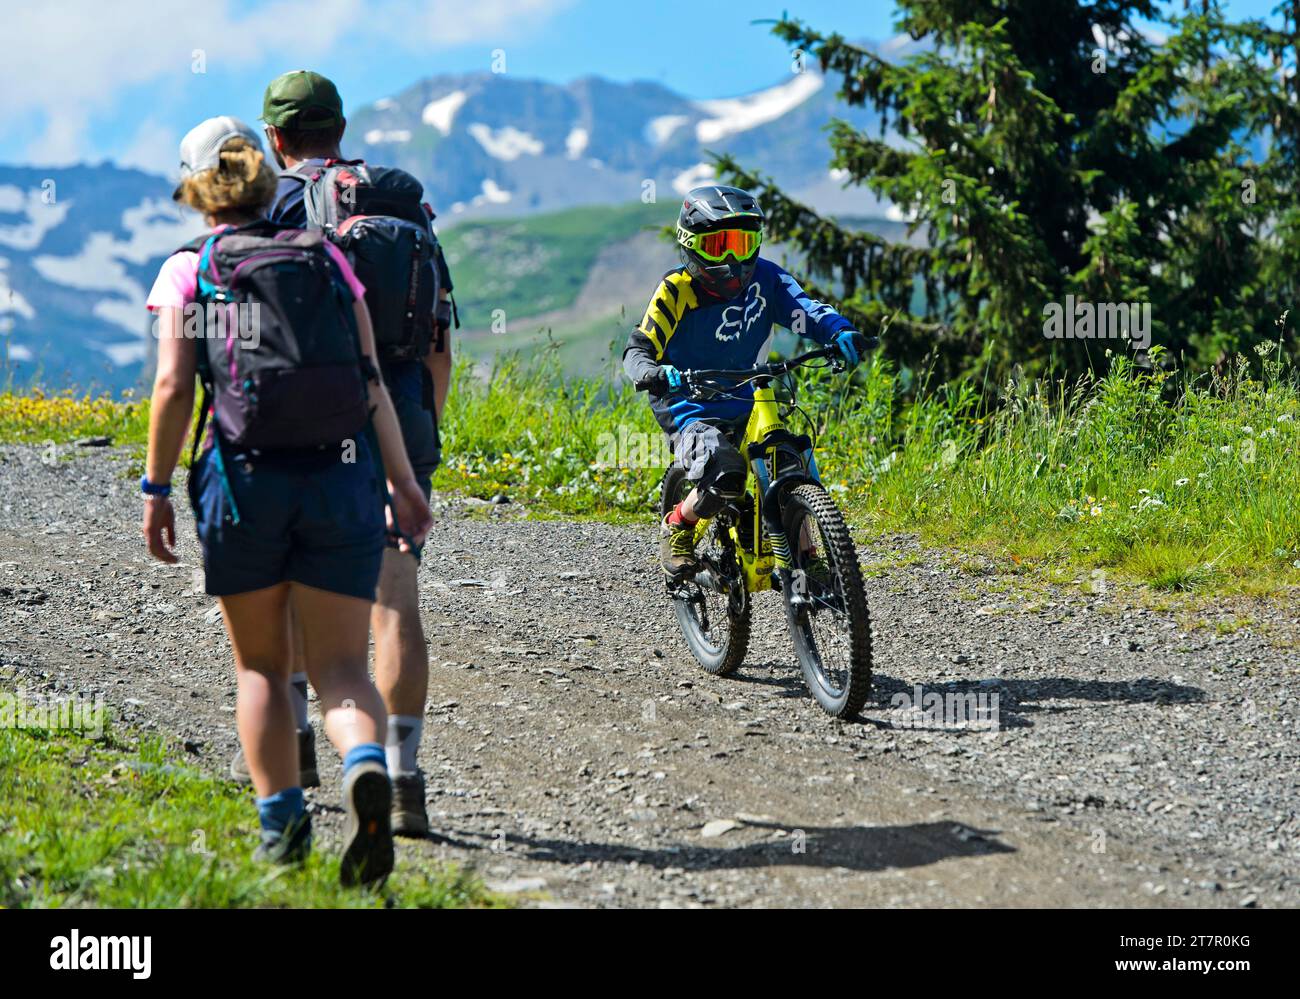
716,311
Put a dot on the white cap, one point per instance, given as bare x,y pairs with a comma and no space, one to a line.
201,147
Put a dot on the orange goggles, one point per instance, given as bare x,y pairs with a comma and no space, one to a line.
717,246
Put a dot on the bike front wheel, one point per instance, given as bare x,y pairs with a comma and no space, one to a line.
712,607
826,602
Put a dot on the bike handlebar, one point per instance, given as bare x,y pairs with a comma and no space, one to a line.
777,368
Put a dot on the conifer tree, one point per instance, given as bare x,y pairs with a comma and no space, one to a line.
1050,148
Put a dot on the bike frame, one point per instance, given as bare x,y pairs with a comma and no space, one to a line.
778,460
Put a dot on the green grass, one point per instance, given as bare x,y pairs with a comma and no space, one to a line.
585,348
1185,485
35,417
114,821
1182,484
540,263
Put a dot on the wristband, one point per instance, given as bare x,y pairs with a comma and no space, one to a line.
154,488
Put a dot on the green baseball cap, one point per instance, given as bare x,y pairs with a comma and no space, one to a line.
301,99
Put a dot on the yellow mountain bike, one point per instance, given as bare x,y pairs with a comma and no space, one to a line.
785,533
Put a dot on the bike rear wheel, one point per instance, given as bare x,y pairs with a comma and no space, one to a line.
826,603
712,608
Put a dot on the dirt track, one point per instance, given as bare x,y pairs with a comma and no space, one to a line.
574,749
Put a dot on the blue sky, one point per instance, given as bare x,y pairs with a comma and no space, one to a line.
81,87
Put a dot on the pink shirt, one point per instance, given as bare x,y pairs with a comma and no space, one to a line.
178,281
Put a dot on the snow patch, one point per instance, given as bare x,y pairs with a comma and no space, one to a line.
385,104
441,112
508,143
10,300
41,217
154,228
157,227
738,114
492,194
694,176
378,136
576,142
659,130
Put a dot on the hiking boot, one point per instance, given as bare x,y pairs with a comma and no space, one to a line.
677,548
368,836
307,775
408,815
289,847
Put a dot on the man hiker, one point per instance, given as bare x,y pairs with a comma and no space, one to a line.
376,214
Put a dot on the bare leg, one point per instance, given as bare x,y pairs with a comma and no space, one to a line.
689,505
257,623
401,659
334,634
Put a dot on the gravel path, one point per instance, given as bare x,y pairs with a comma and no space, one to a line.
576,753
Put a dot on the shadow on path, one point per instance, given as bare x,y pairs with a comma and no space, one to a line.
857,848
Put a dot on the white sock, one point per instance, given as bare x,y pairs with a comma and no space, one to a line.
402,743
298,698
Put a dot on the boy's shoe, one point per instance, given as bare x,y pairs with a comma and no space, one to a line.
289,847
307,773
368,836
409,816
677,548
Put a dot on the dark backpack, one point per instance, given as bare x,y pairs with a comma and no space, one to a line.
376,216
279,356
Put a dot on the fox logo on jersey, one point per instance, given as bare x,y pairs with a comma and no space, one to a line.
737,319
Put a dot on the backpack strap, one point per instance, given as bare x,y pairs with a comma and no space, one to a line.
202,421
204,286
318,198
193,246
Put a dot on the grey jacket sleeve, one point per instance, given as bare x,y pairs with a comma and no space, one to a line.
640,362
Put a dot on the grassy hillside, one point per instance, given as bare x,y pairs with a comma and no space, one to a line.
535,269
538,264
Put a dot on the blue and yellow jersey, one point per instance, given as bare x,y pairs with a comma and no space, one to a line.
689,329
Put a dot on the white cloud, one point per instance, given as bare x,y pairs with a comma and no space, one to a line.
152,149
68,63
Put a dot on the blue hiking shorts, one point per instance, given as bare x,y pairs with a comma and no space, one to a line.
411,392
319,523
406,387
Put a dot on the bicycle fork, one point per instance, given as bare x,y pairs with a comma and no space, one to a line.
772,528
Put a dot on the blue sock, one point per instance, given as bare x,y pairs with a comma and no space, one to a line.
279,810
364,752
